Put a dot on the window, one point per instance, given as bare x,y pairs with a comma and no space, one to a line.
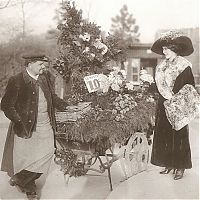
132,67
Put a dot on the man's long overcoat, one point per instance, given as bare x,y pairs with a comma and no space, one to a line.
20,105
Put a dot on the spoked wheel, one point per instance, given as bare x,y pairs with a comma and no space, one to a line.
136,155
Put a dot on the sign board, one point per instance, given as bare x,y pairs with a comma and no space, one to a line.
92,83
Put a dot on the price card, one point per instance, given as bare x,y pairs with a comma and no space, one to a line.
92,83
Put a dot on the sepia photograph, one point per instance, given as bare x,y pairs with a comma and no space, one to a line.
99,99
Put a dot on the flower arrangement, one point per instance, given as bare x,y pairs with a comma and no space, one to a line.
170,35
118,110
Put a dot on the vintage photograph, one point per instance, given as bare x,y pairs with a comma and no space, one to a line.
99,99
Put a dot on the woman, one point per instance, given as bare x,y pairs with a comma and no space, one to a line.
171,148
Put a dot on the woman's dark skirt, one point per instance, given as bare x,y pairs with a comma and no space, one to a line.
170,148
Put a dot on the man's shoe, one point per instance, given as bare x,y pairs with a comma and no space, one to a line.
12,182
32,196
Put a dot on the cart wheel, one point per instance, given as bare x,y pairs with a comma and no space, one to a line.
136,155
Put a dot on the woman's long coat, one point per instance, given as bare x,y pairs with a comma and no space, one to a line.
171,148
20,105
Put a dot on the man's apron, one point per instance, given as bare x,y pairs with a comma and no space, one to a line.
35,154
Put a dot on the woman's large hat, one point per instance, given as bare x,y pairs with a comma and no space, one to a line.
183,43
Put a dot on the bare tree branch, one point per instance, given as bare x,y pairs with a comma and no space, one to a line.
7,3
13,3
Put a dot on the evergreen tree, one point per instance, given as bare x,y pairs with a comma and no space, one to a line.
124,26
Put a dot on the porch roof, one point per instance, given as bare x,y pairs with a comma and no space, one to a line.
142,50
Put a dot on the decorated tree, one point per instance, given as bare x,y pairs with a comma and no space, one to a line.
83,50
124,26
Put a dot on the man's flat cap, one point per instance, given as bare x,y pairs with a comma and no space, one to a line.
35,57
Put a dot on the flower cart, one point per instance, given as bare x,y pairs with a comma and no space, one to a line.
110,116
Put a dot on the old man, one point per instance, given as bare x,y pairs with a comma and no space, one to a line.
30,102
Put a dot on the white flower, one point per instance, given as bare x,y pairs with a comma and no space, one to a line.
143,71
77,43
114,111
86,49
117,118
146,78
115,87
150,99
127,96
85,37
99,45
115,103
115,79
119,81
127,109
122,105
92,54
126,101
118,108
105,49
130,85
122,111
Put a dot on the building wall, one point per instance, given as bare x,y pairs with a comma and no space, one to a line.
141,56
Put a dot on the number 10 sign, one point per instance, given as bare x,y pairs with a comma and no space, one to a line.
92,83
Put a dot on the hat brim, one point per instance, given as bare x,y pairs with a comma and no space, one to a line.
37,57
183,42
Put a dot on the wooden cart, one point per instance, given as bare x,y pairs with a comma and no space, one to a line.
133,155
